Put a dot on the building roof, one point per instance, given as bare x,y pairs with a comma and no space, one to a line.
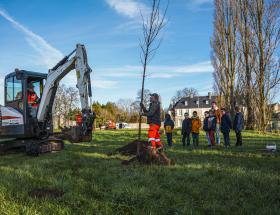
195,102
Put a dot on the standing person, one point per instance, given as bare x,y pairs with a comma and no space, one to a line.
212,124
153,119
206,127
196,124
186,129
226,125
168,127
218,115
238,125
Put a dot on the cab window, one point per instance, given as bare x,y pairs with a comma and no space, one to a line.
14,89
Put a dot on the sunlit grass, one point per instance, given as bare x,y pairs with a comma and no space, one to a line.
202,181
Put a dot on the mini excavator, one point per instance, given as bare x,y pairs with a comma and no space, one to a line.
27,119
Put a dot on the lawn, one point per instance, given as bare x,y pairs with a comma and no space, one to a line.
87,181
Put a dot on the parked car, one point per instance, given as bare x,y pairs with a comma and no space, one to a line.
123,125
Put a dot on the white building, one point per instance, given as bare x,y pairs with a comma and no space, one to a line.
189,105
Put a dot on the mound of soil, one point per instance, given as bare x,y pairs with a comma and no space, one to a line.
131,148
46,192
144,155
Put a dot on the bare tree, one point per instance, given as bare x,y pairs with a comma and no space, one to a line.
245,43
247,60
125,105
266,29
225,54
152,25
186,92
65,101
145,98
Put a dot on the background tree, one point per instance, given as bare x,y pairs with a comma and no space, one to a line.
151,28
66,100
145,98
246,60
186,92
225,54
245,56
264,17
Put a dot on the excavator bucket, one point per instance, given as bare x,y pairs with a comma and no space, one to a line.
75,134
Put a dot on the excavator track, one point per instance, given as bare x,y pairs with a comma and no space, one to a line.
32,146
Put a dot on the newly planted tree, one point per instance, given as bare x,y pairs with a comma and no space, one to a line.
152,25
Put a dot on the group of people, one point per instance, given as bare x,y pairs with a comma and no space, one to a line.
216,120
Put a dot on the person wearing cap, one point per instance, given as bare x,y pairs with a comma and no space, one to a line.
153,119
33,99
218,114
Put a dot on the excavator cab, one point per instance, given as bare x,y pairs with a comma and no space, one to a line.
30,96
23,90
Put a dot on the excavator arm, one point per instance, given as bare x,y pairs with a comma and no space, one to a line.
76,60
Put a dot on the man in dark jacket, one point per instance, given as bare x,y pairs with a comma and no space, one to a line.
186,129
226,125
206,127
153,119
168,127
238,126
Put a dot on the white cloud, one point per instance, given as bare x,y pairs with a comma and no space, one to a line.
155,71
96,82
200,5
129,8
104,84
48,54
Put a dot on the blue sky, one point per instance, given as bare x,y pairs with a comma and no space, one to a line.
35,34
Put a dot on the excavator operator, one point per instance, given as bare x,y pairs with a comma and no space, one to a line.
33,99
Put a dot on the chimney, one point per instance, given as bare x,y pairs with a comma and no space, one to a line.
209,95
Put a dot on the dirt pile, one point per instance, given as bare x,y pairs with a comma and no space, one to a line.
144,153
131,148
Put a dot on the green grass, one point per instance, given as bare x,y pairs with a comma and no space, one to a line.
203,181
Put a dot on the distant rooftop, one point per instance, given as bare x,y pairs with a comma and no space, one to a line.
195,102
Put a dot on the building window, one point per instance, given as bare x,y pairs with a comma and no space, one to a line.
179,112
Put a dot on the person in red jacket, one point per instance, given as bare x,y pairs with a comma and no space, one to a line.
153,119
33,99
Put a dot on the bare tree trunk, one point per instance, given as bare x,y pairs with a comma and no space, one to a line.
246,58
142,96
